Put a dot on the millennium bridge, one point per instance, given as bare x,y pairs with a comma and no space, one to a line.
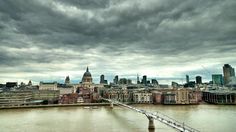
179,126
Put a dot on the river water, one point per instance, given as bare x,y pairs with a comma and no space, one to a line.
206,118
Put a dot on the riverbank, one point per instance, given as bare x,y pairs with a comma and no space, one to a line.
94,104
55,105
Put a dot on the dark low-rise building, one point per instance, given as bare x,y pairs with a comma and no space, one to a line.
219,97
15,98
169,98
11,84
49,96
190,84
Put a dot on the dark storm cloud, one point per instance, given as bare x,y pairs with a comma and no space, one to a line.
86,4
104,33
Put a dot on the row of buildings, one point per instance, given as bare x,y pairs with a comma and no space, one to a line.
50,92
154,96
219,97
29,97
125,81
121,90
226,79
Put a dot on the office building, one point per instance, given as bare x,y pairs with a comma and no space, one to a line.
169,97
129,81
15,98
182,96
102,79
142,97
174,84
217,79
116,79
187,78
144,80
154,82
228,73
198,80
123,81
138,81
11,85
51,96
219,97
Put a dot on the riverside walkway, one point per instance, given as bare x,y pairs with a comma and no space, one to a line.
180,126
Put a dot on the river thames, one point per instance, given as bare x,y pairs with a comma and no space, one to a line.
206,118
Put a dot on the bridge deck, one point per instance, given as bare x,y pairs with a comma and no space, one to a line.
160,117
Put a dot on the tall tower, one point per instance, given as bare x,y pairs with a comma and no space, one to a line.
116,79
102,79
138,82
228,72
144,81
187,78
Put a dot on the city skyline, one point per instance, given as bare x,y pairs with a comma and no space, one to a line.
48,40
133,78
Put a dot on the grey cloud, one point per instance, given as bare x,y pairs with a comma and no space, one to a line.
114,35
87,4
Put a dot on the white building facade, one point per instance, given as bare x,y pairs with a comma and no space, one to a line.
142,97
48,86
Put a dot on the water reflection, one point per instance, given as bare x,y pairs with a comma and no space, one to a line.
75,119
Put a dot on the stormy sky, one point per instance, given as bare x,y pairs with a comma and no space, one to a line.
46,40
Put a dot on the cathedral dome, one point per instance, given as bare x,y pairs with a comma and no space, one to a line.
87,77
87,73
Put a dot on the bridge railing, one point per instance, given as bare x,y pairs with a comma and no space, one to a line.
181,126
170,120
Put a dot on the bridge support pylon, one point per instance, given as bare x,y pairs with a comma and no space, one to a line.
151,125
111,105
